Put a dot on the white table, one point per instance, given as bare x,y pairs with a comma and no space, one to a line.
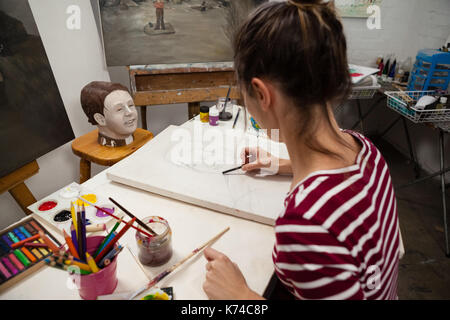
248,243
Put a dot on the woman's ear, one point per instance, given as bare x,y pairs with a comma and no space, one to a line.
262,93
100,119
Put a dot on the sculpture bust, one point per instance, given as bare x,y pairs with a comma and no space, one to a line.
111,108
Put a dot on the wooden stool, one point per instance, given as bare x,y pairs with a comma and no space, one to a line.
14,183
89,150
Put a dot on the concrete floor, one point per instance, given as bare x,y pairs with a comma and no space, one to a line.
424,270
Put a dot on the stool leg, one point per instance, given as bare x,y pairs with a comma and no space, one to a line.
23,196
85,170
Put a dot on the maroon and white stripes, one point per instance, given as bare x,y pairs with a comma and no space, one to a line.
338,237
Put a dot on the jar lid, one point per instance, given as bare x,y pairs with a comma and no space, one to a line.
204,109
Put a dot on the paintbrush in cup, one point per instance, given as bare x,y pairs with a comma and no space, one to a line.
142,224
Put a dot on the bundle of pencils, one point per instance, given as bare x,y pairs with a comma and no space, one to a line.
76,259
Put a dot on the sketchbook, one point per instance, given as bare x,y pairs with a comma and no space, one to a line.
176,164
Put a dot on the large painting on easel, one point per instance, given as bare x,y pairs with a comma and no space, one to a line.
33,119
141,32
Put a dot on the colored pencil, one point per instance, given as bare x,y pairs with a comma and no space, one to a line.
79,240
83,232
110,256
73,233
81,265
142,224
237,116
74,217
70,245
95,227
92,263
48,242
115,217
105,242
114,240
164,274
22,242
231,170
100,247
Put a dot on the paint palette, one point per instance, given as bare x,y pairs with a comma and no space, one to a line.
55,208
17,263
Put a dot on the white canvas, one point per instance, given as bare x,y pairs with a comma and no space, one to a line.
152,168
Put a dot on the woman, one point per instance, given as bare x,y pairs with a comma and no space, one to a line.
338,237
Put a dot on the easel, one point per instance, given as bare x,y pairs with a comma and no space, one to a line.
192,84
14,183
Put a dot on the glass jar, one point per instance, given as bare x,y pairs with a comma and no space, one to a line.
157,250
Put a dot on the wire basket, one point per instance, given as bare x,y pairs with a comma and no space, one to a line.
363,92
404,103
445,126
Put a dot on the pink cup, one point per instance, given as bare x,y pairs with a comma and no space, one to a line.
97,284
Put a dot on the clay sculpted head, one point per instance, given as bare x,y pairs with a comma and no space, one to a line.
110,106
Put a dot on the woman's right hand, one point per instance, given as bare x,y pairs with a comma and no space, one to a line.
255,158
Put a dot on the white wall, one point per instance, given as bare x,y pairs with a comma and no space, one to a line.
76,58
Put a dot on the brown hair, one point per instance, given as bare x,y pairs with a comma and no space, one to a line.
299,45
93,97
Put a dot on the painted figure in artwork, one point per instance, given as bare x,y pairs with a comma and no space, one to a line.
159,7
111,108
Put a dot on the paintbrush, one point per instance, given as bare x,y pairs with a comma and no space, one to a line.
226,102
237,116
231,170
132,216
164,274
115,217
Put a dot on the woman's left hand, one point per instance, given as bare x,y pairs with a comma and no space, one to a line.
224,280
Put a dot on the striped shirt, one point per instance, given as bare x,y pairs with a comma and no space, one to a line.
338,236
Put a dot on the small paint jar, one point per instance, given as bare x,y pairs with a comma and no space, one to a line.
213,116
204,114
157,250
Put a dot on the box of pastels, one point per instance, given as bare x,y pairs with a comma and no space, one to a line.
55,208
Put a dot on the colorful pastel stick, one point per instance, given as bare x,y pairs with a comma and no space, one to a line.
19,234
42,250
36,226
28,254
22,257
35,245
25,232
114,240
110,256
7,240
4,246
22,242
30,229
48,242
13,237
37,253
14,259
4,271
10,266
70,245
100,247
